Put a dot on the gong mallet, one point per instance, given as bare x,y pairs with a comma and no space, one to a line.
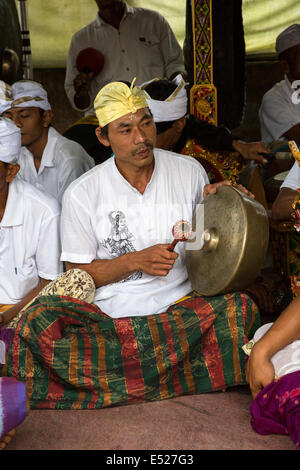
89,60
181,232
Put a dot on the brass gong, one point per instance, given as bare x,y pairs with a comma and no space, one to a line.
233,245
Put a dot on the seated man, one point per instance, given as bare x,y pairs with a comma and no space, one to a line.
48,160
282,207
168,101
279,113
29,231
140,340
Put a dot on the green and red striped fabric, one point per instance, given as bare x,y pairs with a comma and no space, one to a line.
73,356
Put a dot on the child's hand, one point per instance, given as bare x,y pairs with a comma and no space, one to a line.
259,371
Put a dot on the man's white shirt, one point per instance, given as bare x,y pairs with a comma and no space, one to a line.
103,217
292,180
29,241
62,162
279,111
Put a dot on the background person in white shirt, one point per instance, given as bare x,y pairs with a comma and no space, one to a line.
282,207
48,160
117,219
29,231
279,113
135,42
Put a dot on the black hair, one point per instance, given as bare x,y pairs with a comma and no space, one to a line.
104,131
161,90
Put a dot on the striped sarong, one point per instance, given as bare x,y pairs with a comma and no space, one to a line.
73,356
12,404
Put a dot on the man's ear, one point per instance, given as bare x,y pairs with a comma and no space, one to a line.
103,139
284,65
47,118
12,170
179,124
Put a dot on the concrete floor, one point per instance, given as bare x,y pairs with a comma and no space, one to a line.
215,421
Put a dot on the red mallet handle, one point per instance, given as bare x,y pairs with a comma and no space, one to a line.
181,232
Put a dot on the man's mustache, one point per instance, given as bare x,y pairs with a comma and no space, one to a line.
141,148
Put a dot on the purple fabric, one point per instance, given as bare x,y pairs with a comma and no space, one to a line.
276,408
6,335
12,404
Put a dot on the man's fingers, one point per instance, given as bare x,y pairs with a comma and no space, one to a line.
212,188
258,158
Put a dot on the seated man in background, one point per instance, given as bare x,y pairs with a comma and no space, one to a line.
29,231
48,160
147,336
282,207
279,113
168,103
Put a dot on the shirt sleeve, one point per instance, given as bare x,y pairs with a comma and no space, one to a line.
292,180
277,115
48,251
73,167
171,50
71,73
199,179
79,245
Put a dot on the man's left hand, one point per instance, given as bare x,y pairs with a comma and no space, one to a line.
212,188
251,150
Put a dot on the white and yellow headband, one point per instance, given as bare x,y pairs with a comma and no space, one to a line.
10,141
27,93
116,100
6,97
174,107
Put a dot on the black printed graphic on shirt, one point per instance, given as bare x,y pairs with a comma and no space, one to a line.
119,241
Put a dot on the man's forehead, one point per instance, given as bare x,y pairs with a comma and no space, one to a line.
131,118
20,109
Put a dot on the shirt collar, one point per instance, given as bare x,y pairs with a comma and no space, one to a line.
128,11
14,210
288,84
48,157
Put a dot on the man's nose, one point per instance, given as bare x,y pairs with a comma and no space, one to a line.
139,136
17,120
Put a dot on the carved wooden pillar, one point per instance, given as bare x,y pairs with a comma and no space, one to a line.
203,94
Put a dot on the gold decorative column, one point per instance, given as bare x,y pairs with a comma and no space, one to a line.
203,94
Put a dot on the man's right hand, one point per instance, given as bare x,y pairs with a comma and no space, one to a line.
156,260
82,85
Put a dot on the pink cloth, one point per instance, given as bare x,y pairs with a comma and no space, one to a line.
276,408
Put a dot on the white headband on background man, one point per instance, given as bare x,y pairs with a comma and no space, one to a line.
5,97
288,38
27,93
172,108
10,141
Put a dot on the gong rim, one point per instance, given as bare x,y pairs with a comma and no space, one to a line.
229,268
